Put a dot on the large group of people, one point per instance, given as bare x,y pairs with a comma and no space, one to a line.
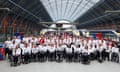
54,47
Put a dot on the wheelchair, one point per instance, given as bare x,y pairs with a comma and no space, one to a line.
85,58
76,57
34,57
25,58
51,56
15,61
59,56
100,56
38,56
9,54
92,56
42,56
69,57
115,57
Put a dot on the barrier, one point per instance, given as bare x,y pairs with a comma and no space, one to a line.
2,52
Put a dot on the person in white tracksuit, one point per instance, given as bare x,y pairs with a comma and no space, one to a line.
69,54
35,51
77,52
115,54
92,51
25,53
59,52
6,45
85,55
16,54
43,52
51,50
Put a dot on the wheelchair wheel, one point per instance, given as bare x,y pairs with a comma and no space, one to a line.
85,59
86,62
117,59
13,64
59,58
76,58
100,60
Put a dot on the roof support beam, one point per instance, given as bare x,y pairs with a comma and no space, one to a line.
6,9
95,19
23,9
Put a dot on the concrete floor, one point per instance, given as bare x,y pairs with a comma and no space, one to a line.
61,67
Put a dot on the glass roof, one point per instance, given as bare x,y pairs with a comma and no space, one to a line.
67,9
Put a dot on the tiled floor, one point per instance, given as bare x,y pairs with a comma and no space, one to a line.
61,67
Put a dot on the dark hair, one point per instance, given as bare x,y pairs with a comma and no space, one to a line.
13,41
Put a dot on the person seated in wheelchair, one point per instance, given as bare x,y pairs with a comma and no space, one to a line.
77,52
69,55
34,52
22,44
30,42
107,51
43,52
16,56
85,55
25,53
115,53
59,52
39,56
100,53
51,50
64,46
92,51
